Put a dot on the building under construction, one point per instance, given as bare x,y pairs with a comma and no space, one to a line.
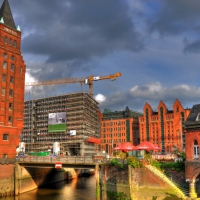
65,124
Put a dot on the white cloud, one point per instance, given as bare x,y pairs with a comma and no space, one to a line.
136,97
29,79
100,98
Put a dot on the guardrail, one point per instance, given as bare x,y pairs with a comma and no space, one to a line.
67,159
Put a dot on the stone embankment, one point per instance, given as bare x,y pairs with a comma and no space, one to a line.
139,183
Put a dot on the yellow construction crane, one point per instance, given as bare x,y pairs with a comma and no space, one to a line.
89,81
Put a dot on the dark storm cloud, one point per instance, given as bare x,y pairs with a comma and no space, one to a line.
175,17
192,47
50,71
71,30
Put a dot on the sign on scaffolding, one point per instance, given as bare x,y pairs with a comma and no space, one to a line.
57,122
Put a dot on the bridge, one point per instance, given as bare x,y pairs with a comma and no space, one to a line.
77,162
31,171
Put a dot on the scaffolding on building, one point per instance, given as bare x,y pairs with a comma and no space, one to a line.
81,116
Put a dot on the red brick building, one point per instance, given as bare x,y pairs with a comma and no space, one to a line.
118,127
192,164
164,127
12,75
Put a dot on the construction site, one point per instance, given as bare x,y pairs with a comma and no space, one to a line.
65,124
80,130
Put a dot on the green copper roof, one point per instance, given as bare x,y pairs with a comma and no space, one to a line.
127,113
6,14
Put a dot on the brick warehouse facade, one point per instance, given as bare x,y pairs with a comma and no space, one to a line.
118,127
12,84
165,127
192,164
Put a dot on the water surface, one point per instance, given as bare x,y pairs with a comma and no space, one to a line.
82,188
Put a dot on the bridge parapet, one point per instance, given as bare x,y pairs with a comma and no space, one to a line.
76,162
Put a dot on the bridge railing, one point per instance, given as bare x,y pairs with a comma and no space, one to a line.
64,159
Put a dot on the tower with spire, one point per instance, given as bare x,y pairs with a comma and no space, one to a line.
12,77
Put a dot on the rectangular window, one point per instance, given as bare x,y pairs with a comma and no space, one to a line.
12,58
5,39
10,106
9,119
5,55
4,65
15,43
12,67
11,93
11,79
3,77
5,155
10,41
5,136
3,91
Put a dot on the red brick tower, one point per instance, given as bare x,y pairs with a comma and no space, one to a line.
12,76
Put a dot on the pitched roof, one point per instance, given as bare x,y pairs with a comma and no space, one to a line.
6,14
193,120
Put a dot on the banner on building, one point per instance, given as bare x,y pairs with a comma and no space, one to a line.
72,132
57,122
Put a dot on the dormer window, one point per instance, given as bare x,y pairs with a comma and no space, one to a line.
198,117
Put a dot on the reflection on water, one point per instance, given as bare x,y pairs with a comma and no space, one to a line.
82,188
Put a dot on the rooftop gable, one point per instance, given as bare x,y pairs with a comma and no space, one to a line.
193,118
6,14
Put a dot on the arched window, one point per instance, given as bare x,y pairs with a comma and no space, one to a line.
196,150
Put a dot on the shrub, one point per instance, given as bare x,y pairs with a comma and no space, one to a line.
122,155
111,195
156,164
134,162
117,163
178,166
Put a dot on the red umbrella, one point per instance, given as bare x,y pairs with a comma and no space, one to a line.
147,146
126,146
157,148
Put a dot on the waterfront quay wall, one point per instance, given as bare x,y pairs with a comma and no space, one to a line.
137,184
7,183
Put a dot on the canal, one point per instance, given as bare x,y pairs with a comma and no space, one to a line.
82,188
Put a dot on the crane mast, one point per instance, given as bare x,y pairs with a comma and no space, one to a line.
89,81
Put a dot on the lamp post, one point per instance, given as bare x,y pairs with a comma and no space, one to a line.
22,150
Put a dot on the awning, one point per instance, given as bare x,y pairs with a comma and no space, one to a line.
93,140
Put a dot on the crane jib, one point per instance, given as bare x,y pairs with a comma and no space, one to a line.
96,78
87,81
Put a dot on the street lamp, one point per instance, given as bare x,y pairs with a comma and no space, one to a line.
22,150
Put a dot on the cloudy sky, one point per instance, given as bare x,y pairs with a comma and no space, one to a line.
154,44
